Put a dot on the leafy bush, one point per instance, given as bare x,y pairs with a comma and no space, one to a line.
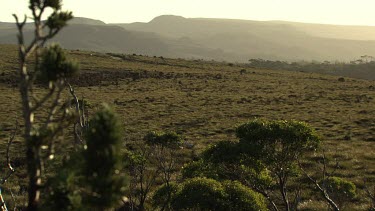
223,151
199,168
200,193
240,197
341,190
170,139
273,141
163,193
264,156
209,194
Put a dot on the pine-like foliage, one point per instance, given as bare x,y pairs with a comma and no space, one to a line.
103,160
55,65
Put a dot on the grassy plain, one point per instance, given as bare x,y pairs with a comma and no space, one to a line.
204,101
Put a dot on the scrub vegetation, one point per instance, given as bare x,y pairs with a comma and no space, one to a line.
178,134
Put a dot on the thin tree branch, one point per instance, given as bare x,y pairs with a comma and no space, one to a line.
369,194
322,190
56,102
78,110
9,165
41,102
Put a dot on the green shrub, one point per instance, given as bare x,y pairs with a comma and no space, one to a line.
272,141
198,168
200,193
240,197
165,193
209,194
223,151
55,65
341,190
169,139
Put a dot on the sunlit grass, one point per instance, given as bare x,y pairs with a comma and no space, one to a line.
204,101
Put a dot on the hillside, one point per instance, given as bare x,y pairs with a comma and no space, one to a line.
205,101
267,39
218,39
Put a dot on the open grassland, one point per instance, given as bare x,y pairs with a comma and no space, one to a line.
204,101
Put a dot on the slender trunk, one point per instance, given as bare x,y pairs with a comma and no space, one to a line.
34,178
282,186
32,151
169,196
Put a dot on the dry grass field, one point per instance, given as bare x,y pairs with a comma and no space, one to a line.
205,101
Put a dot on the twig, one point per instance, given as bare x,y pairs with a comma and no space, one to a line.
81,120
3,206
78,110
10,167
13,198
369,194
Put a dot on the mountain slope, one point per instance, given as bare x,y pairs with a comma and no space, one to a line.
266,39
88,34
219,39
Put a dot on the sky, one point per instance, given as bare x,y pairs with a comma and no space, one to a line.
343,12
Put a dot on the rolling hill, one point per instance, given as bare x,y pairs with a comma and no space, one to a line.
266,39
217,39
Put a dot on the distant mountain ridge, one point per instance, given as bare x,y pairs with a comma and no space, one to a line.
218,39
87,21
266,39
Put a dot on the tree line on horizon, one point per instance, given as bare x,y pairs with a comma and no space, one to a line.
363,67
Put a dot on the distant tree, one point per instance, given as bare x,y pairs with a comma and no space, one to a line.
154,159
143,174
164,147
278,145
265,156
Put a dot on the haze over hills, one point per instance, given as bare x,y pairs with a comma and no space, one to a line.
218,39
267,39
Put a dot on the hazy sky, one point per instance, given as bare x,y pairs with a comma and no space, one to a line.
348,12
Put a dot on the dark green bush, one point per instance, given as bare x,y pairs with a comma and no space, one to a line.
103,159
340,189
55,65
240,197
160,196
169,139
200,193
209,194
277,144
